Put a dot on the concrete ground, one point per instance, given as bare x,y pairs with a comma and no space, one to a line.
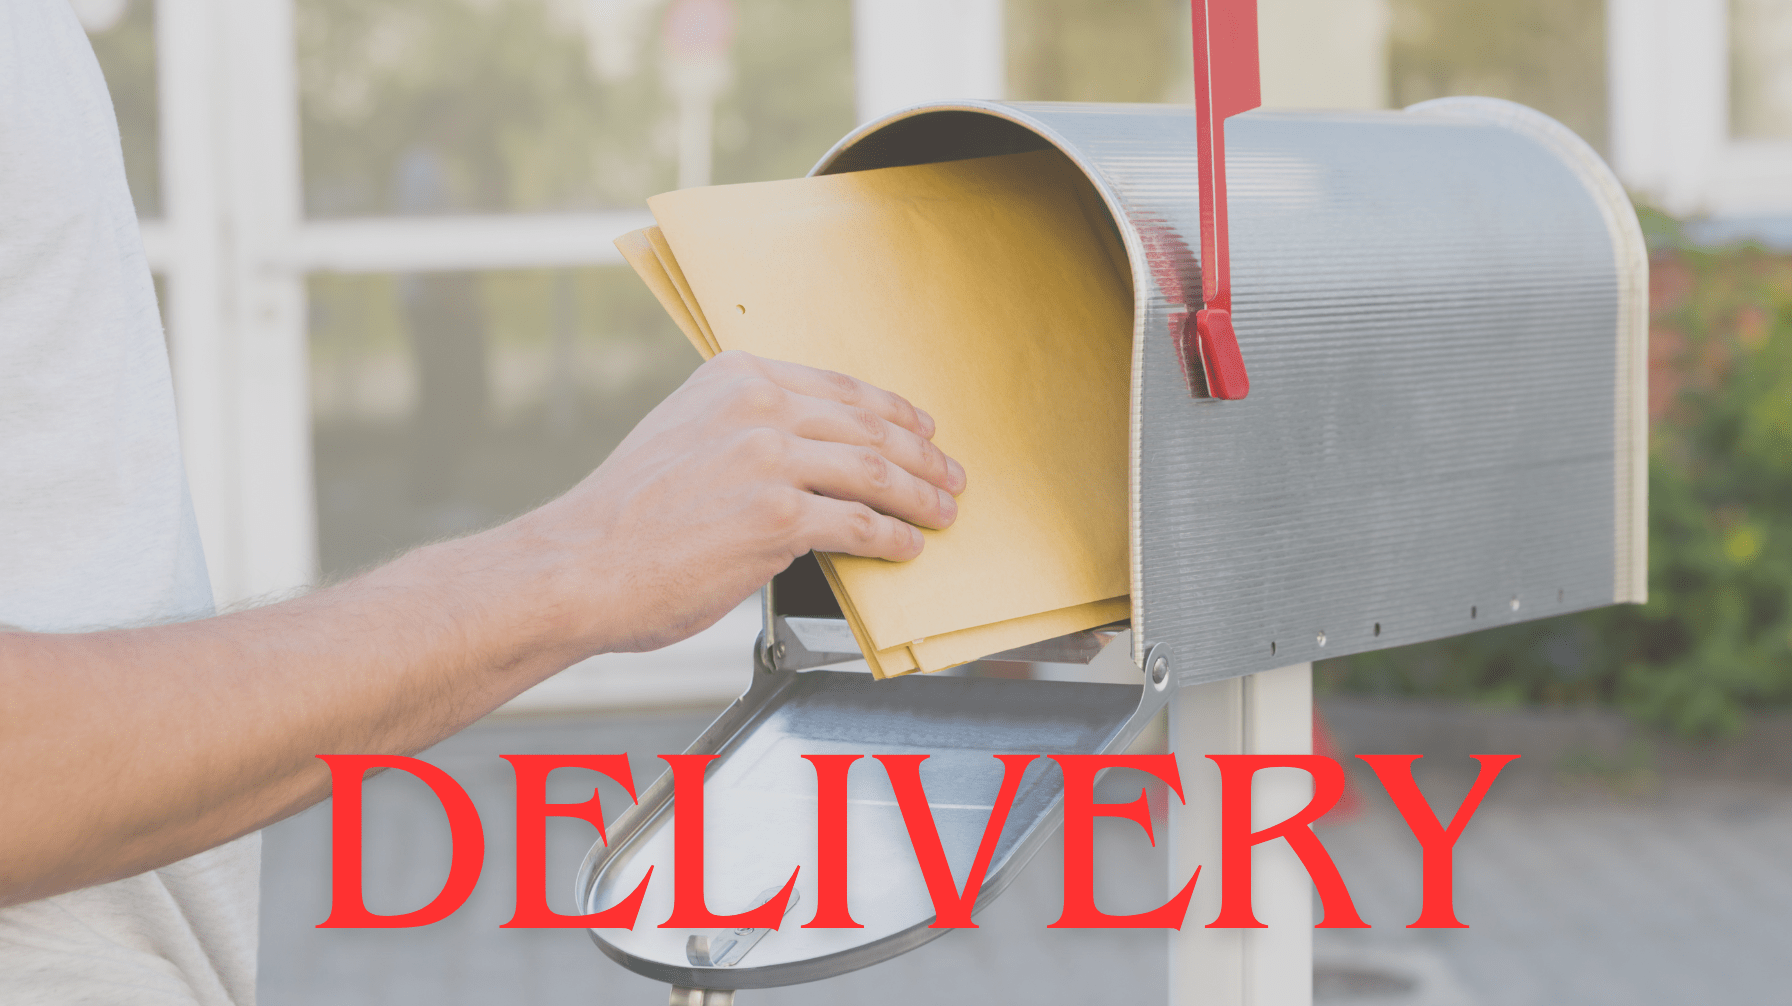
1606,868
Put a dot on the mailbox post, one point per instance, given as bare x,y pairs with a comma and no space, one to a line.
1270,712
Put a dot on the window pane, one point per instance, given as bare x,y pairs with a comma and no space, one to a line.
518,105
1548,54
445,402
1099,50
124,39
1761,69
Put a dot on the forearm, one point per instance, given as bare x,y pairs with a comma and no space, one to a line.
122,751
130,749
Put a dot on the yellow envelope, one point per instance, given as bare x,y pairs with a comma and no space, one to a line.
984,291
640,249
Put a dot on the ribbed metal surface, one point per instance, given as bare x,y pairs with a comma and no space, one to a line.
1436,308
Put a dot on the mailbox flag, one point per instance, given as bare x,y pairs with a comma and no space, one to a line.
1226,32
1227,82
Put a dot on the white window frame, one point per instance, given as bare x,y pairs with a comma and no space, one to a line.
234,249
1668,66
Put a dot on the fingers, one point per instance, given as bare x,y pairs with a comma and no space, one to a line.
861,474
833,525
846,390
859,459
818,419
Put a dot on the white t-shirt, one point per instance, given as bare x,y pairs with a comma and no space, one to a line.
96,526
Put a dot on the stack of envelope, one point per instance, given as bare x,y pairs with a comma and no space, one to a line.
991,292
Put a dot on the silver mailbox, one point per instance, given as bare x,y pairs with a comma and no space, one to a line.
1444,316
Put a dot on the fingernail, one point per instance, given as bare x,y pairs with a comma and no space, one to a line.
955,475
948,506
927,423
915,539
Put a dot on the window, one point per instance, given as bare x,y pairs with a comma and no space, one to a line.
381,231
1761,70
448,395
1701,110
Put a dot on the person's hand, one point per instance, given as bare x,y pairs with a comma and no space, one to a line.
748,465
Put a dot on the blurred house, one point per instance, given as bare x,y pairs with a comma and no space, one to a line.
381,228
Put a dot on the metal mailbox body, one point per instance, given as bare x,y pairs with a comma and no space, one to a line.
1444,315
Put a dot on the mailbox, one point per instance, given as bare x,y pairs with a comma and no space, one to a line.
1443,311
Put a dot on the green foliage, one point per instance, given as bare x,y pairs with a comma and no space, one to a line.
1715,638
499,93
523,106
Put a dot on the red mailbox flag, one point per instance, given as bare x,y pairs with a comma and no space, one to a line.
1227,82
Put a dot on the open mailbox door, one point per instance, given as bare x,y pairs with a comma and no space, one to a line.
1443,312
